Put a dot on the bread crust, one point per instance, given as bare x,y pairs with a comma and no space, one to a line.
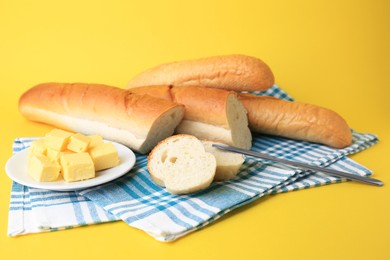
296,120
114,107
206,105
234,72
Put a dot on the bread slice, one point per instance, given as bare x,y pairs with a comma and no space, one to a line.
181,164
228,164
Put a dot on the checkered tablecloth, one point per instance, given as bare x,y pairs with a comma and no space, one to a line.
138,201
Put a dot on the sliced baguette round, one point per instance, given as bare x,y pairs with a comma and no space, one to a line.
234,72
228,163
190,173
181,165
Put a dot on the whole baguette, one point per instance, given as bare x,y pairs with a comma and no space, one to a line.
234,72
211,114
274,116
296,120
138,121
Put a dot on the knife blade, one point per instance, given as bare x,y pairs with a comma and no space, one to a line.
300,165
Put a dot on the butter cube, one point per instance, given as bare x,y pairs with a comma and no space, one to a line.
95,140
78,143
57,139
55,155
104,156
77,167
37,147
42,169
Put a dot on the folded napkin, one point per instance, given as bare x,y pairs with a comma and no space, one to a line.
137,200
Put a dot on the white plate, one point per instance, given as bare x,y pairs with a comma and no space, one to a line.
16,168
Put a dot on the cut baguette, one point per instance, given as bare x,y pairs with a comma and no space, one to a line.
138,121
228,164
181,164
211,114
234,72
267,115
296,120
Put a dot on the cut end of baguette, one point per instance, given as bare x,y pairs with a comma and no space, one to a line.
181,164
163,127
238,122
235,132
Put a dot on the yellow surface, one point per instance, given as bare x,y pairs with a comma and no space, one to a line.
331,53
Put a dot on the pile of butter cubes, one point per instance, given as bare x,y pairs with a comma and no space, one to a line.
73,156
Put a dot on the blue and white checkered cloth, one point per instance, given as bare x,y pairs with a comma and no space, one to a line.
137,200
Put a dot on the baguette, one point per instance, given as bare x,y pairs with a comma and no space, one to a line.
138,121
269,115
212,114
296,120
234,72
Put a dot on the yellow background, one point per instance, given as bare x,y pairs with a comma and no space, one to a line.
331,53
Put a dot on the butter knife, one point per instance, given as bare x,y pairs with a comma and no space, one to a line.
300,165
